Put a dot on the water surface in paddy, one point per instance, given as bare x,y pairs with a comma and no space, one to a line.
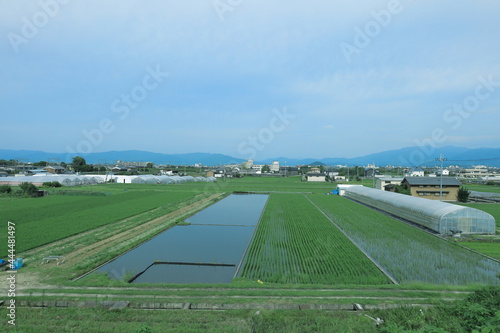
218,235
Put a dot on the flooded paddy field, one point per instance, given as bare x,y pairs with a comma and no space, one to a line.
208,250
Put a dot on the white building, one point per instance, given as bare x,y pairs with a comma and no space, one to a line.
446,172
416,172
316,177
275,166
247,164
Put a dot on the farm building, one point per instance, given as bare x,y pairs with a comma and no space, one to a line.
316,177
430,187
442,217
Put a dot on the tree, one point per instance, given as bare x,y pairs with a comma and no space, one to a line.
402,189
79,163
149,165
266,168
463,194
41,163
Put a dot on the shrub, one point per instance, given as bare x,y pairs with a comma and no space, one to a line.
28,189
463,194
51,184
5,189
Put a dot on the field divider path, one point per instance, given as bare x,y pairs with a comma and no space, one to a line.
382,269
93,296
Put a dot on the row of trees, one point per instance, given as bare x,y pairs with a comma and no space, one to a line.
26,189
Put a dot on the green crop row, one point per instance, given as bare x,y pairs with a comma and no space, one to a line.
408,253
39,221
295,243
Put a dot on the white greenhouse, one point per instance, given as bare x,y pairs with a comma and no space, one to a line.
442,217
72,180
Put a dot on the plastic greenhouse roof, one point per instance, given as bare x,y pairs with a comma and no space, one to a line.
426,206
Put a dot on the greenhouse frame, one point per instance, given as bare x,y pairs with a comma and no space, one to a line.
441,217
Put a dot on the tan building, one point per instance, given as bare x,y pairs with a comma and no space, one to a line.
56,169
429,187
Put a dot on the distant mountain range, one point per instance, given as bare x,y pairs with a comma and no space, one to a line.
410,156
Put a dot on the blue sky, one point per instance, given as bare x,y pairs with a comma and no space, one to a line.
249,78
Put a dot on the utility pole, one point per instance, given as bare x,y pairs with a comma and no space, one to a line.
373,174
441,159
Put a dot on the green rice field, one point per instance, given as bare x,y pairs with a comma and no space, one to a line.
295,243
408,253
40,221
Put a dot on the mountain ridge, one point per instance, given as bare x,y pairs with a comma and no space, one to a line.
409,156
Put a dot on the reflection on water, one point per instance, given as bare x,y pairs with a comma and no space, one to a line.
236,209
219,235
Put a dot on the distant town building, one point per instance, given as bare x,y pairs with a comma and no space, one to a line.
275,166
416,172
445,172
55,169
474,172
247,164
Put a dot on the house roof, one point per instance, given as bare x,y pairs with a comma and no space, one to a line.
393,179
55,167
316,174
448,181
